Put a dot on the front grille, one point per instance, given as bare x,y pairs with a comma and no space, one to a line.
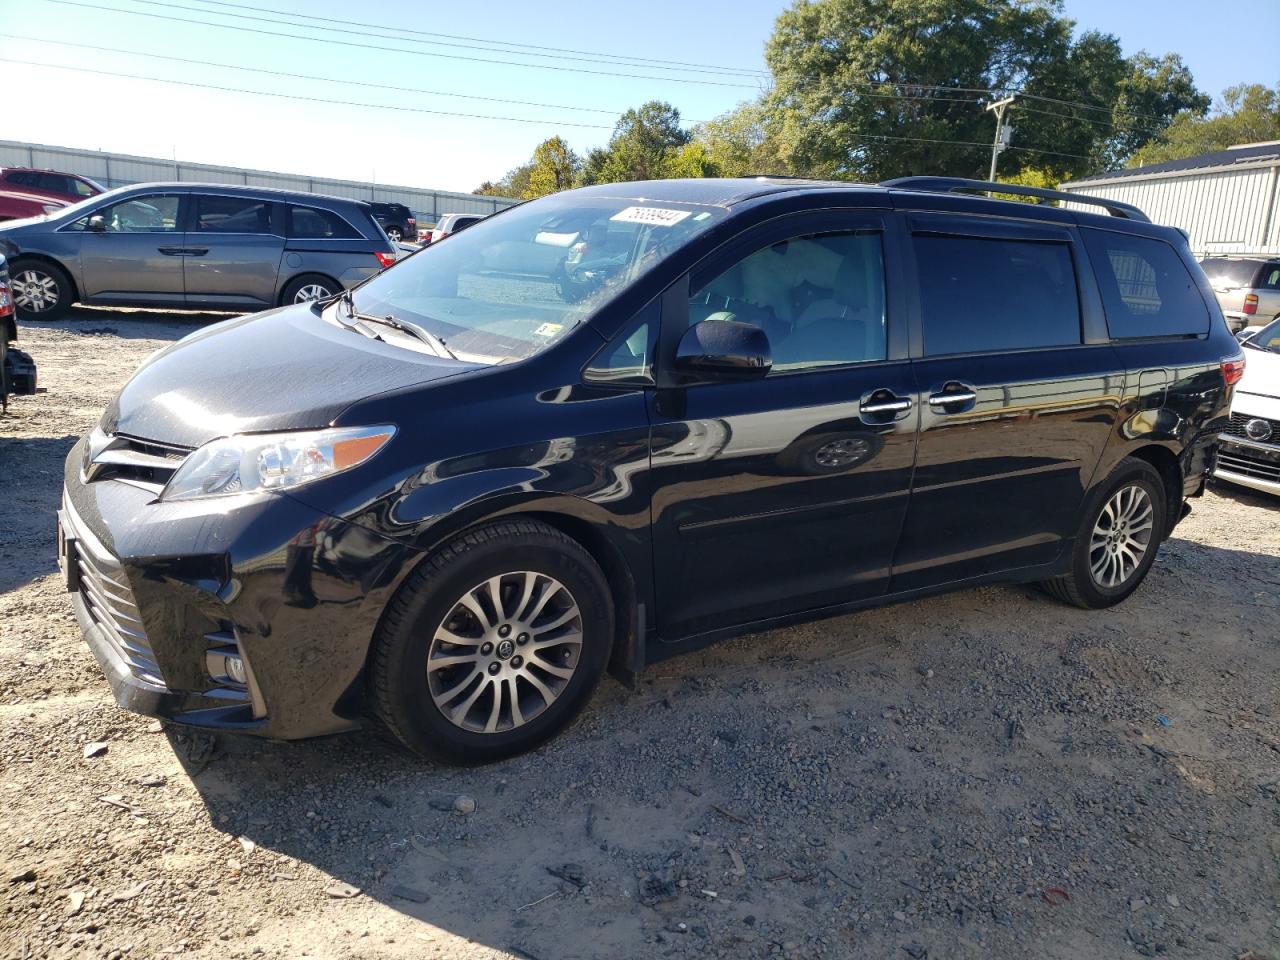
1236,428
121,457
106,593
1249,463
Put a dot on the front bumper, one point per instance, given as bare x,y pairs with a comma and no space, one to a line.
164,591
1248,464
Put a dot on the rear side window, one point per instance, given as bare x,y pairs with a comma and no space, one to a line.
22,178
1230,273
1271,277
1146,289
981,295
309,223
232,215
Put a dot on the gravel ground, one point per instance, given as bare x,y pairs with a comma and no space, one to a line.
986,774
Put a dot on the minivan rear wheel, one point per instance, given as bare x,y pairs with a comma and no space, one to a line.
1121,530
493,645
41,291
308,287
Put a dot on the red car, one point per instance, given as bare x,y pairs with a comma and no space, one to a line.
15,205
49,183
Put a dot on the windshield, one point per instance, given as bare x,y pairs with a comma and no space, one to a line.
1230,273
514,283
1268,338
77,209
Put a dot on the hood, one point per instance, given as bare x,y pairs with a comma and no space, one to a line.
286,369
1261,374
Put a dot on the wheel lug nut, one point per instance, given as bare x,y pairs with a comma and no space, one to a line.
522,639
486,649
517,662
504,630
495,667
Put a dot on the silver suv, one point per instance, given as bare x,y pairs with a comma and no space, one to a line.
1248,289
194,246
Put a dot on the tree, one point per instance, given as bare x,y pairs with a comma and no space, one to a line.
691,160
513,184
640,143
554,168
742,142
1248,113
869,89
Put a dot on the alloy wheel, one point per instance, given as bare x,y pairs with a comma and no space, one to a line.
311,291
34,291
1121,536
505,652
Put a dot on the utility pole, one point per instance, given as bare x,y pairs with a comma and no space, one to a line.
1003,133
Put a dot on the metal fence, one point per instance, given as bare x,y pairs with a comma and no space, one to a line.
120,170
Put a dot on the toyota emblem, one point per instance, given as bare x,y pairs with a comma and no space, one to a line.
1258,429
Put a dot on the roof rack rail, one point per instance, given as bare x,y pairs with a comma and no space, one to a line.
960,185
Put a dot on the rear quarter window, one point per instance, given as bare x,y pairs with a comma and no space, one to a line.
1147,291
311,223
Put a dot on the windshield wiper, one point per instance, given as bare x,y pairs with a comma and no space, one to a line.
404,326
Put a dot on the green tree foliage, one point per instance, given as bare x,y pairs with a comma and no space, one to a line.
641,144
743,142
1248,113
867,89
555,167
691,160
513,184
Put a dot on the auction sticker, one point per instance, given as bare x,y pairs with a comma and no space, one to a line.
653,216
548,330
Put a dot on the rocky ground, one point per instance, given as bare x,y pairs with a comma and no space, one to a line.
986,774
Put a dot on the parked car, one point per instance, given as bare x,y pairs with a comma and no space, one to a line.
396,219
1250,451
15,205
17,369
50,183
201,246
1248,288
450,501
424,235
452,223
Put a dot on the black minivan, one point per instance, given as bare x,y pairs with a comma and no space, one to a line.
617,423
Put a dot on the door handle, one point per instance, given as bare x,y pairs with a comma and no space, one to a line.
196,251
172,251
953,397
884,403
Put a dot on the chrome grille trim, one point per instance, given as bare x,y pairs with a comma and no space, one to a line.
1235,428
145,463
1242,460
105,590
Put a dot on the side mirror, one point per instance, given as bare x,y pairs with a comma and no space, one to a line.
97,224
723,350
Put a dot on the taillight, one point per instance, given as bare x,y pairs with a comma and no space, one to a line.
1233,370
386,259
6,301
1251,303
411,222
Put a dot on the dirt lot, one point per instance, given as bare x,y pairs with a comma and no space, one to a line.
987,774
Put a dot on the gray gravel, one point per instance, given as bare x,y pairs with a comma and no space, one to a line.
986,774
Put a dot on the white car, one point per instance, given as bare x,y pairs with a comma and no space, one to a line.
1249,453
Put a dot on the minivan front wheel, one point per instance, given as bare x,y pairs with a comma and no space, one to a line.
493,644
40,290
1118,538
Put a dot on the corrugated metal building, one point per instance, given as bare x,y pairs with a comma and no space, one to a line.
120,170
1228,200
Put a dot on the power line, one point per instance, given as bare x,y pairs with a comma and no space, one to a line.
306,76
972,143
505,43
293,96
416,53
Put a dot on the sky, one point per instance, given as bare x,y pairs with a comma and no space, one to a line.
419,143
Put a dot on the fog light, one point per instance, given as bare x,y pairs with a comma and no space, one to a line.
235,669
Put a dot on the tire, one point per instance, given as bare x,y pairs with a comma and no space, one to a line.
528,561
315,286
41,290
394,234
1144,513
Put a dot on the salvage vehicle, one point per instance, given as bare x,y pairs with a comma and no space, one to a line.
1250,451
20,205
1247,288
445,502
17,369
70,187
191,245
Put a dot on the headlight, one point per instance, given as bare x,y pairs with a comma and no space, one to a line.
245,463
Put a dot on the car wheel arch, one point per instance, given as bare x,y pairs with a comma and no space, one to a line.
576,519
1165,462
16,261
293,278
